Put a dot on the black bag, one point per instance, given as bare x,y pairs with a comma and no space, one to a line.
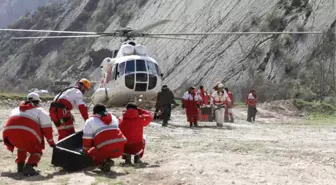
66,153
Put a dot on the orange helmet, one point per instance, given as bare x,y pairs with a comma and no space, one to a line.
85,82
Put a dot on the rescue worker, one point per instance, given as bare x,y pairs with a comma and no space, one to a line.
25,129
131,125
164,100
64,102
228,108
251,103
204,95
215,88
102,138
191,101
218,101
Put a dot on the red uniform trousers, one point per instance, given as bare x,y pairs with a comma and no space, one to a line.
67,127
228,111
135,148
24,145
110,151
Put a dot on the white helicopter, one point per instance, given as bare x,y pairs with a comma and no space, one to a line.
132,75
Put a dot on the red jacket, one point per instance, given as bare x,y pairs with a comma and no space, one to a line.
132,124
251,100
230,96
102,135
29,124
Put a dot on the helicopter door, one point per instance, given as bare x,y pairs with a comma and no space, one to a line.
141,76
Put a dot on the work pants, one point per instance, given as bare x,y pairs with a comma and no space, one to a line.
228,112
67,127
166,113
108,152
251,113
135,149
26,146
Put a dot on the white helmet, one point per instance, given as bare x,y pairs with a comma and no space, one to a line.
220,85
33,96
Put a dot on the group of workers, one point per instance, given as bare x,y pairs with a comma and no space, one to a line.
104,135
220,100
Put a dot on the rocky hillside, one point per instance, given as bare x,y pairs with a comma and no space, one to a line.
282,66
10,10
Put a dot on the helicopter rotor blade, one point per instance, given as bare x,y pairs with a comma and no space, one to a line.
56,37
48,31
152,25
175,38
233,33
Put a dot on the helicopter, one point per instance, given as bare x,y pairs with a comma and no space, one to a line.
131,75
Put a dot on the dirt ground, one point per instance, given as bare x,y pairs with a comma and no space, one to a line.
279,148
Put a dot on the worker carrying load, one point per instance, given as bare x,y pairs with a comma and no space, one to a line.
218,101
251,103
102,138
228,109
204,95
25,129
163,103
215,88
131,125
191,102
64,102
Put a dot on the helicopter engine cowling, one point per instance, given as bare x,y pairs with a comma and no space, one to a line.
100,96
140,50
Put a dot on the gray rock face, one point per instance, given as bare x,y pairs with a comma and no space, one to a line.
10,10
271,64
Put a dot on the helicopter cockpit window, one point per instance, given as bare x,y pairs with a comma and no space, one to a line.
157,69
151,68
130,67
140,65
121,69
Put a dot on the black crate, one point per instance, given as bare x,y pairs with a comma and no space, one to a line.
66,154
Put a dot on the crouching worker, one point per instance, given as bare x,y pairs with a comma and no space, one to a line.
102,139
25,129
131,125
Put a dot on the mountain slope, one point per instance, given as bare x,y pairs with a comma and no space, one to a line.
277,66
11,10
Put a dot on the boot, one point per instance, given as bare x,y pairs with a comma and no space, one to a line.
106,165
137,159
190,124
20,167
195,124
128,159
232,120
28,170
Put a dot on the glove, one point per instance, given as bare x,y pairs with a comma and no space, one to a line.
183,106
52,145
82,152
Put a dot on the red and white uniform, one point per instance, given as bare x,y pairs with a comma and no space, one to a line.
228,109
62,117
103,140
191,102
131,125
204,95
219,98
251,100
25,129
